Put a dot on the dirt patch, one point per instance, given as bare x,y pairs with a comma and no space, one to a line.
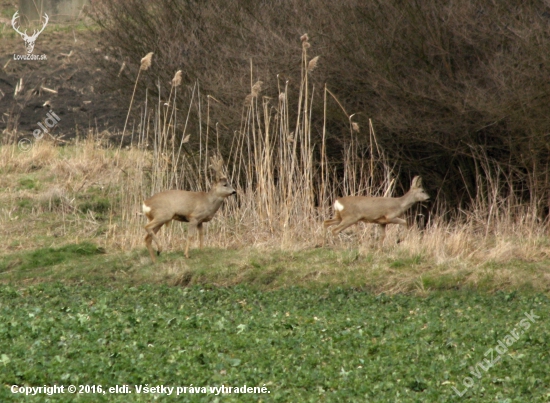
69,82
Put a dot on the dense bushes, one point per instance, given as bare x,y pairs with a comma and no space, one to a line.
457,91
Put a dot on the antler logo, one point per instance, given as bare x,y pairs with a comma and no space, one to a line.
29,40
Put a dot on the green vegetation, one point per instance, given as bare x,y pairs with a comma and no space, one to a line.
305,345
96,204
45,257
28,183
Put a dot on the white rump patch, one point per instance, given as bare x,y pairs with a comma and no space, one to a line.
338,206
146,208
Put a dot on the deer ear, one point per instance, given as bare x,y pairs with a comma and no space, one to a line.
416,182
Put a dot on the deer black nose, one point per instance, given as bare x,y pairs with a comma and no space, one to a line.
234,192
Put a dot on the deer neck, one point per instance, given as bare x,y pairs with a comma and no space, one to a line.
214,199
406,201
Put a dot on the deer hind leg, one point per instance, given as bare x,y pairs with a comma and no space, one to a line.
152,228
332,221
148,241
345,223
328,223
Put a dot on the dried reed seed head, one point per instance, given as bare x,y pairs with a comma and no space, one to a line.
312,63
186,139
146,61
282,97
248,100
176,81
256,88
306,45
304,38
355,127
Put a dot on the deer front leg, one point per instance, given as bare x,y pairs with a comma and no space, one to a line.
382,233
400,221
190,232
201,234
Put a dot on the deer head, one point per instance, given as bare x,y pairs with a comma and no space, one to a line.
29,40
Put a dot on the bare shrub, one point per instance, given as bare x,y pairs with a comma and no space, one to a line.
456,90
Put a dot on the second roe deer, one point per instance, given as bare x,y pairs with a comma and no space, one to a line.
377,210
195,208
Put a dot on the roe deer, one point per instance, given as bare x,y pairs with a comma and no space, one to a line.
377,210
195,208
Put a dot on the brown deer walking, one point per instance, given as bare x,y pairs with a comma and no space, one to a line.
377,210
195,208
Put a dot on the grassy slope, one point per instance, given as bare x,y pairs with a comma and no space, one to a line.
87,263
